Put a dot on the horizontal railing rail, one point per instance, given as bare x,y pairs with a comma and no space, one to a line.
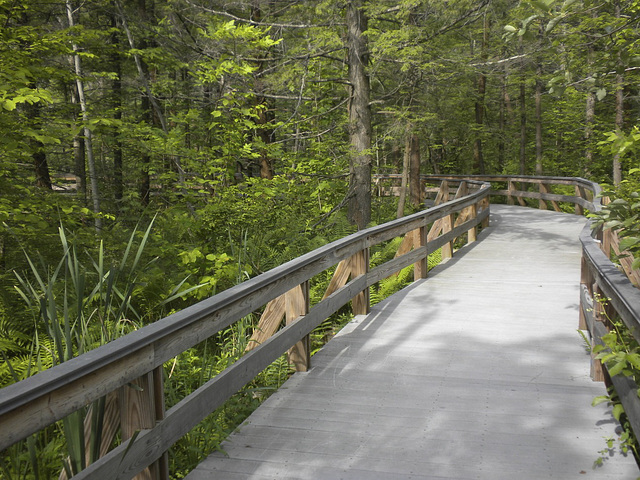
517,188
43,399
607,289
39,401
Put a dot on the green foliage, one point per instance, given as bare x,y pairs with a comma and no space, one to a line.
622,214
620,352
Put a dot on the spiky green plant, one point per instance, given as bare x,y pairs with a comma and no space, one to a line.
77,308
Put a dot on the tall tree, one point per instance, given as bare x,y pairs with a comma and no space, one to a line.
359,205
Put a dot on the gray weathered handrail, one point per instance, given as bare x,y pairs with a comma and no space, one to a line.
36,402
600,277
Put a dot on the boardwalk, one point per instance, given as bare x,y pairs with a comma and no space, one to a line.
474,373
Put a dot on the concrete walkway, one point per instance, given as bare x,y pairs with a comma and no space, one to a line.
477,372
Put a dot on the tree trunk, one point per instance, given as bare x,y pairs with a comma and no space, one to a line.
414,171
538,101
478,159
617,167
405,177
80,168
590,111
523,128
116,87
95,197
359,203
502,123
266,107
43,178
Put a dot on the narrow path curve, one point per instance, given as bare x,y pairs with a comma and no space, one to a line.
477,372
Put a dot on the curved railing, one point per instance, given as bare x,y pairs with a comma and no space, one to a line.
33,404
137,358
607,291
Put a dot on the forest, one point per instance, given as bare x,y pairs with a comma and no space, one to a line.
156,152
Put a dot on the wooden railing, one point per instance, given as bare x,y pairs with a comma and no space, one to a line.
132,365
137,359
608,291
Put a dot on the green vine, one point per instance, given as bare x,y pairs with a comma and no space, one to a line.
620,353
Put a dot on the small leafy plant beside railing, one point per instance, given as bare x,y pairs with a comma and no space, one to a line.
620,352
622,214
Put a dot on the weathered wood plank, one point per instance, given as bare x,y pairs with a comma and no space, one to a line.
187,413
269,322
411,388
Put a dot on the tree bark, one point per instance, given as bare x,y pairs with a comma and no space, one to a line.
95,197
116,86
617,167
414,171
266,107
590,111
402,198
359,203
502,122
523,128
481,82
538,101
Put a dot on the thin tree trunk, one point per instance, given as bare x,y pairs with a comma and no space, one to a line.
359,203
617,167
590,111
265,106
538,101
478,159
523,128
80,168
402,199
414,171
87,131
502,123
116,86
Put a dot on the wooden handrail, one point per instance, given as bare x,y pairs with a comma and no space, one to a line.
32,404
599,277
36,402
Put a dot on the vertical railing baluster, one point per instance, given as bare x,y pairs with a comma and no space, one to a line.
297,304
360,266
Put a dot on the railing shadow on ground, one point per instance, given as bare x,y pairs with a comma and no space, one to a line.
43,399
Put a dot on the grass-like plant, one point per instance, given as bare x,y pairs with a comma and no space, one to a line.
76,308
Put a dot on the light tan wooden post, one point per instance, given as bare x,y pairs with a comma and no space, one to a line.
586,279
360,266
421,267
472,233
542,188
162,464
447,226
140,405
485,204
606,242
511,188
297,304
599,315
579,193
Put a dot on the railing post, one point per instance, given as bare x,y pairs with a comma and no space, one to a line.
360,266
297,304
420,240
471,234
586,280
600,314
510,188
542,188
141,405
581,194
